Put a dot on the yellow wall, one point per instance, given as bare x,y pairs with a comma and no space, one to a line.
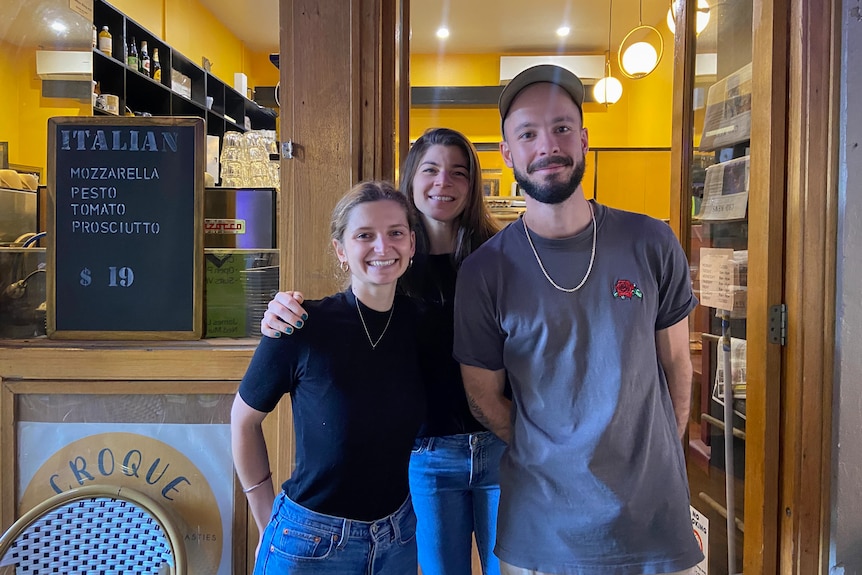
9,73
24,112
637,181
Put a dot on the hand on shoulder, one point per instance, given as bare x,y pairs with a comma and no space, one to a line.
284,314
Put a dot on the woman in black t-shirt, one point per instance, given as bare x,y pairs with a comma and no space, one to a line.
357,401
454,469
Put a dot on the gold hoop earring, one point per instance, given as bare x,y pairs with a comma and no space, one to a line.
345,267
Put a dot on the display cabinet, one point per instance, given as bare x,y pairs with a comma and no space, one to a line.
184,87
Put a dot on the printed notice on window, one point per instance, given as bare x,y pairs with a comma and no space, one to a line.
716,278
83,8
725,191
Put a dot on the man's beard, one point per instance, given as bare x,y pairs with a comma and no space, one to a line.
552,192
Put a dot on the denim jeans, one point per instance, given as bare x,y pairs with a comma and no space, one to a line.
455,486
299,541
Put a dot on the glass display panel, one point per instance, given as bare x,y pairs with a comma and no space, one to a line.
719,189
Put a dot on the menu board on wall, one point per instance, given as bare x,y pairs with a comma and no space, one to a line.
125,228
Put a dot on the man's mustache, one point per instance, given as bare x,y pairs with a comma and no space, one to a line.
548,162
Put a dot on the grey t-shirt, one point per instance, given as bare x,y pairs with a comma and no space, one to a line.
594,481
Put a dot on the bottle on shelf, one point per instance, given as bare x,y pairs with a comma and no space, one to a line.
132,58
144,60
105,41
157,68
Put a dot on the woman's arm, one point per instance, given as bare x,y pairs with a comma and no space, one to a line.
284,313
251,460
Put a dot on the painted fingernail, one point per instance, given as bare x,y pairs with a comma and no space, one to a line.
288,330
298,324
304,316
277,334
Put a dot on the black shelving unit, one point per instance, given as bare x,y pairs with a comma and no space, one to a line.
142,94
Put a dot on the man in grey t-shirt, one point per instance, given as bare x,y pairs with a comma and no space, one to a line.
584,309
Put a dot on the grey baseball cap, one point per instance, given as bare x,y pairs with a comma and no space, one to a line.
542,73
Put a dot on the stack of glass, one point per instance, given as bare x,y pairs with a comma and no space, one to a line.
246,160
260,284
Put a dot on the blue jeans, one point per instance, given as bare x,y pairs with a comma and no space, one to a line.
455,486
299,541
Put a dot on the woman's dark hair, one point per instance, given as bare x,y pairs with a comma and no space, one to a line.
475,224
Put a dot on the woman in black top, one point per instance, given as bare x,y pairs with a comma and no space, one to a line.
357,400
454,468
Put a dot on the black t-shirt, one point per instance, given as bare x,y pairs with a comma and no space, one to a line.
432,278
356,410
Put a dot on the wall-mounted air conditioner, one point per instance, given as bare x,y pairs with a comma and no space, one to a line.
584,67
64,65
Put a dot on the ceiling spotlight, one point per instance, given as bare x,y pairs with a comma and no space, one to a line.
563,31
442,32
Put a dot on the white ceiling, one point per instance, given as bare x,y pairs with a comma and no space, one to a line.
477,26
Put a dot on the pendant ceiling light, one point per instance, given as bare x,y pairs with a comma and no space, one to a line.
639,59
608,90
701,18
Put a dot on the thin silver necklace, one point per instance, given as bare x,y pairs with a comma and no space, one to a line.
542,266
368,335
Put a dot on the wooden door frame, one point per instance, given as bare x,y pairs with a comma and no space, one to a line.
812,215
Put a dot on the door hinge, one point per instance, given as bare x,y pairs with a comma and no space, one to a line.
778,324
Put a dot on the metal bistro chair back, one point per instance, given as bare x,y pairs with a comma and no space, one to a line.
97,529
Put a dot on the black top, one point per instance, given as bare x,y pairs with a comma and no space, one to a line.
432,279
356,410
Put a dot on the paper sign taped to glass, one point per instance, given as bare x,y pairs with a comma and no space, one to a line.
727,120
725,191
723,280
737,368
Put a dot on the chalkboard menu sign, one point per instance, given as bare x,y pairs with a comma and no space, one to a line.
125,228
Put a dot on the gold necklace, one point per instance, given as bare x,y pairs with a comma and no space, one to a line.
368,335
592,256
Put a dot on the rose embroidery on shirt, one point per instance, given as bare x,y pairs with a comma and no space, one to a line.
625,289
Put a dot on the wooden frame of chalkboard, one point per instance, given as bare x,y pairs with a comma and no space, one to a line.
125,228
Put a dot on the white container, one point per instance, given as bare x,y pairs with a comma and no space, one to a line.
240,82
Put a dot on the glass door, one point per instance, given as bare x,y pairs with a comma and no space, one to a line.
716,205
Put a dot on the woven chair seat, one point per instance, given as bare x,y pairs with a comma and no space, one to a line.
93,534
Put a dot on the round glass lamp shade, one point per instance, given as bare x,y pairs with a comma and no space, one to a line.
608,90
639,59
701,19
